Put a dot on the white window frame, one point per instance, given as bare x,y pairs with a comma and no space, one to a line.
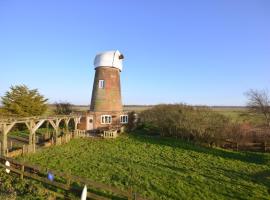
105,119
123,119
101,84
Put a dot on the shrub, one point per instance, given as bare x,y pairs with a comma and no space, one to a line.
182,121
132,121
63,108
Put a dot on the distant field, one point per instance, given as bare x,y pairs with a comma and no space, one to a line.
240,114
84,108
160,168
237,114
80,108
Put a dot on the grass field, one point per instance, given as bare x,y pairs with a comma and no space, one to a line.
240,115
160,168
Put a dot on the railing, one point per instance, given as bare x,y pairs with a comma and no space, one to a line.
248,146
25,149
68,183
110,134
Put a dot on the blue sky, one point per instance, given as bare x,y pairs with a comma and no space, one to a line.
199,52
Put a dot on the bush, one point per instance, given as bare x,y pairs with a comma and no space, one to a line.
190,123
63,108
132,121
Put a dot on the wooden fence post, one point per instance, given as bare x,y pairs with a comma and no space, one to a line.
130,194
68,179
11,144
22,171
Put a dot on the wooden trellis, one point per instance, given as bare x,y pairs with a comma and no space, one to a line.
33,124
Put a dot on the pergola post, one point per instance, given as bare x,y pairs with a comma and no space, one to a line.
76,122
32,127
3,141
5,128
66,124
55,125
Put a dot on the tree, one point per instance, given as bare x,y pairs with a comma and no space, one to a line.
259,102
63,108
23,102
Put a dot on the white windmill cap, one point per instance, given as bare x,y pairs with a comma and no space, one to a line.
109,59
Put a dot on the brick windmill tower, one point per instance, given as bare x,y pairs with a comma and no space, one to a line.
106,110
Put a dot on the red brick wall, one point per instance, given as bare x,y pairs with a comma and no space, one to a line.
109,97
97,120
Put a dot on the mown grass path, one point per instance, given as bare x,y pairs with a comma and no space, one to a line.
161,168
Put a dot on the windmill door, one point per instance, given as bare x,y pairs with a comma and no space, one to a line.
90,122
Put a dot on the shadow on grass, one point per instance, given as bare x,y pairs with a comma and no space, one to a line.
262,178
249,157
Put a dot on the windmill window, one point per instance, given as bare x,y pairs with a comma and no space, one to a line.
101,84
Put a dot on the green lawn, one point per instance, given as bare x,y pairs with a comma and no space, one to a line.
161,168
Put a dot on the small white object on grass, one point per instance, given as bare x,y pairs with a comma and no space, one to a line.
84,193
8,165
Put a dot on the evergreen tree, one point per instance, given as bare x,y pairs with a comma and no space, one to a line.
23,102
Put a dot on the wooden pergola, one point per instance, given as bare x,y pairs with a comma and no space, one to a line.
33,124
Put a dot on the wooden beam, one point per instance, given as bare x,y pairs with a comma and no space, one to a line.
77,121
67,120
53,124
38,124
8,127
5,129
32,126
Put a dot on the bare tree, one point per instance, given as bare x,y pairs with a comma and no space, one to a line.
63,108
259,102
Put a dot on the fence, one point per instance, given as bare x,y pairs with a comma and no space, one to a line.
25,149
247,146
110,134
67,183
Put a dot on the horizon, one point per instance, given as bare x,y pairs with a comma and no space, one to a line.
199,53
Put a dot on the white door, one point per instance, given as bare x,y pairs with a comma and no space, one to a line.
89,123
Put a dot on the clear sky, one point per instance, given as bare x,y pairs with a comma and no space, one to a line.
195,51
